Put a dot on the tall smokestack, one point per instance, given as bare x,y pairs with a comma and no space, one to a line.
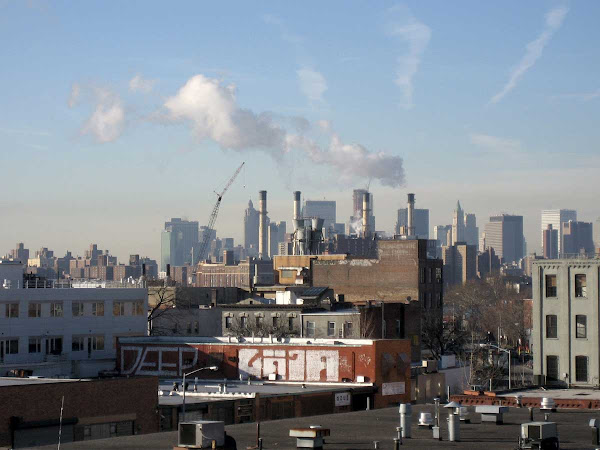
262,225
365,215
296,205
410,216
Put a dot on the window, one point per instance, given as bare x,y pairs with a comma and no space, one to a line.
138,308
581,369
54,345
35,345
197,327
189,328
275,322
438,274
97,342
348,329
228,322
290,323
414,339
422,275
398,328
310,329
288,273
552,368
244,321
580,286
98,309
11,346
429,271
77,343
331,329
118,308
259,321
56,309
551,327
550,285
580,326
12,310
35,309
77,308
439,299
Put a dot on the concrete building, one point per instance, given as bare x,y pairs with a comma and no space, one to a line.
443,235
471,230
324,209
566,322
19,253
550,242
243,274
577,238
504,233
556,217
487,262
460,263
64,329
458,224
421,222
277,235
179,241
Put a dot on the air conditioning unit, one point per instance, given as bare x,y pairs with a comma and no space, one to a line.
543,434
201,433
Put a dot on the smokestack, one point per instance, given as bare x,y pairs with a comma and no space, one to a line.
296,205
262,225
365,215
410,216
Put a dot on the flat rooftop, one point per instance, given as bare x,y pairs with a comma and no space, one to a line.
244,341
358,430
15,381
579,394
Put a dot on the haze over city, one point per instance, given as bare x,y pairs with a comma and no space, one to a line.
117,117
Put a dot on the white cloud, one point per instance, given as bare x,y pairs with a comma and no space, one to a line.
108,118
417,36
140,84
312,84
495,144
212,110
74,96
533,51
582,96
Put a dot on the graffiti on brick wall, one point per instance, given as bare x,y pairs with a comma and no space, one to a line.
157,361
290,365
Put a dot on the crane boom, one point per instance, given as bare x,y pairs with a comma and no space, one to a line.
215,212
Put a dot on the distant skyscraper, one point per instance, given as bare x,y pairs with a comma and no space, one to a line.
421,222
597,233
276,236
355,225
441,233
323,209
504,234
179,241
577,238
460,263
550,242
556,217
458,225
20,253
251,220
471,230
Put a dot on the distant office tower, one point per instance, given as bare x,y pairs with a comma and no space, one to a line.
556,217
482,246
355,225
251,220
20,253
338,228
458,225
577,238
597,233
421,222
504,233
178,246
460,263
550,242
441,233
471,230
277,233
323,209
487,262
211,249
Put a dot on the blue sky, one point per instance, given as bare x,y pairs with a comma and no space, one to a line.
118,115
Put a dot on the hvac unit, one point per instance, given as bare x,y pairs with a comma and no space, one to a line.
201,433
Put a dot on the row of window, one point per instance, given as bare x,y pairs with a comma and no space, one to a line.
428,302
552,326
580,286
34,309
426,275
258,321
52,345
581,368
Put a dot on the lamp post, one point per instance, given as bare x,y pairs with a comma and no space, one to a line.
213,368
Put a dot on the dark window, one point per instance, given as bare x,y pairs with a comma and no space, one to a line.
580,286
330,328
290,323
429,270
552,368
422,275
551,326
12,347
227,322
580,326
275,321
310,329
550,285
398,328
77,309
581,369
12,310
35,310
35,345
244,321
348,329
438,274
77,343
259,321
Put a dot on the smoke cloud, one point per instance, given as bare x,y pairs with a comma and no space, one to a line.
211,108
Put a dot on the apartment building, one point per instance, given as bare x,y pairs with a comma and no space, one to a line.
67,329
566,322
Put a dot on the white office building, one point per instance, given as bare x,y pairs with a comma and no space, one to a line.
556,217
65,329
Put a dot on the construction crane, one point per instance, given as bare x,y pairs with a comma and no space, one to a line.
215,212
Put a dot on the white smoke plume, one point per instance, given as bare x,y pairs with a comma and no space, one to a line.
211,108
108,119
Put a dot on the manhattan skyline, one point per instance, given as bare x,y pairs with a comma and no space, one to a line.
487,104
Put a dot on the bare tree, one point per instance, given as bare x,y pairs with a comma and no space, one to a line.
259,328
161,302
442,337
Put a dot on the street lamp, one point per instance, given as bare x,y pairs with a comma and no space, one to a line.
213,368
505,351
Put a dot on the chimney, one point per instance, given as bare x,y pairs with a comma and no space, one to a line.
410,216
365,215
296,205
262,225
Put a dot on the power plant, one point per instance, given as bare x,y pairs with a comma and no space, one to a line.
308,231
